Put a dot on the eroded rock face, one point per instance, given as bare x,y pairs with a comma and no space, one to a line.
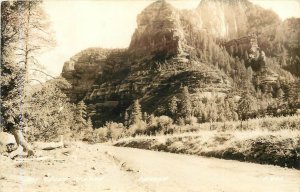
290,33
158,30
224,18
82,70
243,46
163,57
156,61
234,19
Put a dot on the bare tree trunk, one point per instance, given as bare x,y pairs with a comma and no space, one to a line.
26,45
21,141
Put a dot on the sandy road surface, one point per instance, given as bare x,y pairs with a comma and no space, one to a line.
87,168
175,172
82,168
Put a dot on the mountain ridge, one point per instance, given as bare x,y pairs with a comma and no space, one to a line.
171,49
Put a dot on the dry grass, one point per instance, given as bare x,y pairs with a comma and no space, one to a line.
267,123
280,147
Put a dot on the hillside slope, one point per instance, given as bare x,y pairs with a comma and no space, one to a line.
207,49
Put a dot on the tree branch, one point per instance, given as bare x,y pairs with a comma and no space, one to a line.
36,80
43,73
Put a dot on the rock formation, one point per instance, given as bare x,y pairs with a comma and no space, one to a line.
82,70
165,54
224,19
158,30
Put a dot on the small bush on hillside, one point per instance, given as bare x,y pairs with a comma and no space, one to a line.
110,131
137,129
180,121
99,135
191,120
165,124
114,130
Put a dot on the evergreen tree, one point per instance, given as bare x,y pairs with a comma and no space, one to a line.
145,117
47,111
136,113
173,108
108,132
126,119
89,123
80,120
81,113
88,135
246,106
18,52
186,103
279,94
221,114
212,112
228,113
294,92
151,121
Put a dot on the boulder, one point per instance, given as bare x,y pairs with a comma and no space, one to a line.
7,142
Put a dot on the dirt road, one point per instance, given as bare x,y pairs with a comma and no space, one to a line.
88,168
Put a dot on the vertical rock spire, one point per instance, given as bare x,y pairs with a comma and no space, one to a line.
158,30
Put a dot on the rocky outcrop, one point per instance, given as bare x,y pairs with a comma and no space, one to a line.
289,37
224,18
156,66
165,54
153,82
7,142
82,70
288,34
158,30
245,46
234,19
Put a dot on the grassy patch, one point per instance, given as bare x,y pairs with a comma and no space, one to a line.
276,148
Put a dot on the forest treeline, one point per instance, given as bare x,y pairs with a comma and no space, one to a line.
43,111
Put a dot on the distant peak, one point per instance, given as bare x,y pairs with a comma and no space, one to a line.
157,29
228,2
160,3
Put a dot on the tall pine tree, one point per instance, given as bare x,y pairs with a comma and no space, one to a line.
136,113
186,103
173,107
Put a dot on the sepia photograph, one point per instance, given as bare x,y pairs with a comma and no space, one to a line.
150,96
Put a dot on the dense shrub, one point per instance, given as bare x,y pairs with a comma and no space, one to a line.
267,123
137,129
191,120
163,125
99,135
110,131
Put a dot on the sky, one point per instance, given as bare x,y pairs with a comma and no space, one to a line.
110,24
